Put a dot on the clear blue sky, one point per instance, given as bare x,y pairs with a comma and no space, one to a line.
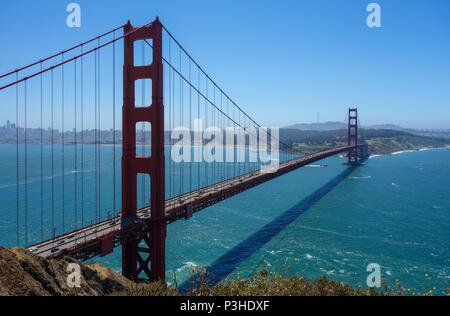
283,61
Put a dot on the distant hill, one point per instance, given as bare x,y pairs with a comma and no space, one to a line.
388,126
292,136
328,126
381,141
332,126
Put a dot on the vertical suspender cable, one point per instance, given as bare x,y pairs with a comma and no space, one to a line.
173,126
143,125
226,122
53,157
244,130
114,126
219,125
75,136
82,140
239,153
239,149
235,142
99,137
206,126
226,127
222,143
250,155
198,136
172,122
247,162
221,150
42,164
181,124
214,126
26,164
62,150
96,138
17,161
170,119
190,129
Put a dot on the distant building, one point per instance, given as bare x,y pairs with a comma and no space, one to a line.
8,124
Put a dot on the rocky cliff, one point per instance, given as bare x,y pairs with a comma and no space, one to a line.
25,274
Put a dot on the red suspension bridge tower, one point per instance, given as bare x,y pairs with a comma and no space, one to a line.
153,236
353,136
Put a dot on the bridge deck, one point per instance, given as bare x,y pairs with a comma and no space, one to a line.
86,243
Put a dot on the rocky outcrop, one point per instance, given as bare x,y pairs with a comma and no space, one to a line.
25,274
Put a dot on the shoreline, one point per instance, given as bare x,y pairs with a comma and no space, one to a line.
409,151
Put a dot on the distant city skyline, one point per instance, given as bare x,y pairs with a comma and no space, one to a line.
10,125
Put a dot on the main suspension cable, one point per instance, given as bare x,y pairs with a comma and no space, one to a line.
59,54
71,59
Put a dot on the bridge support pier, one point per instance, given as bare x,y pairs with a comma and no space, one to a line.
153,234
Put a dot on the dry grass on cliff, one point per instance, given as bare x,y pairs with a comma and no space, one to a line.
262,284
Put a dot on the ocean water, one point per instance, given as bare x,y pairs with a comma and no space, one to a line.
334,221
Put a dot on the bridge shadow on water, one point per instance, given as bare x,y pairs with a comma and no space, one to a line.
224,265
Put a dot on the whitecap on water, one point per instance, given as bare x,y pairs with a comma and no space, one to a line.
361,178
186,266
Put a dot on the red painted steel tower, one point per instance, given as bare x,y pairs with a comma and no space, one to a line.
353,136
153,235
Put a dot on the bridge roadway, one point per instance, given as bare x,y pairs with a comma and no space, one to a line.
87,243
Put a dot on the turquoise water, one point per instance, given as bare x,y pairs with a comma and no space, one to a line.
394,211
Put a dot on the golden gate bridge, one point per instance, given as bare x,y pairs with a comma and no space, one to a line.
77,89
